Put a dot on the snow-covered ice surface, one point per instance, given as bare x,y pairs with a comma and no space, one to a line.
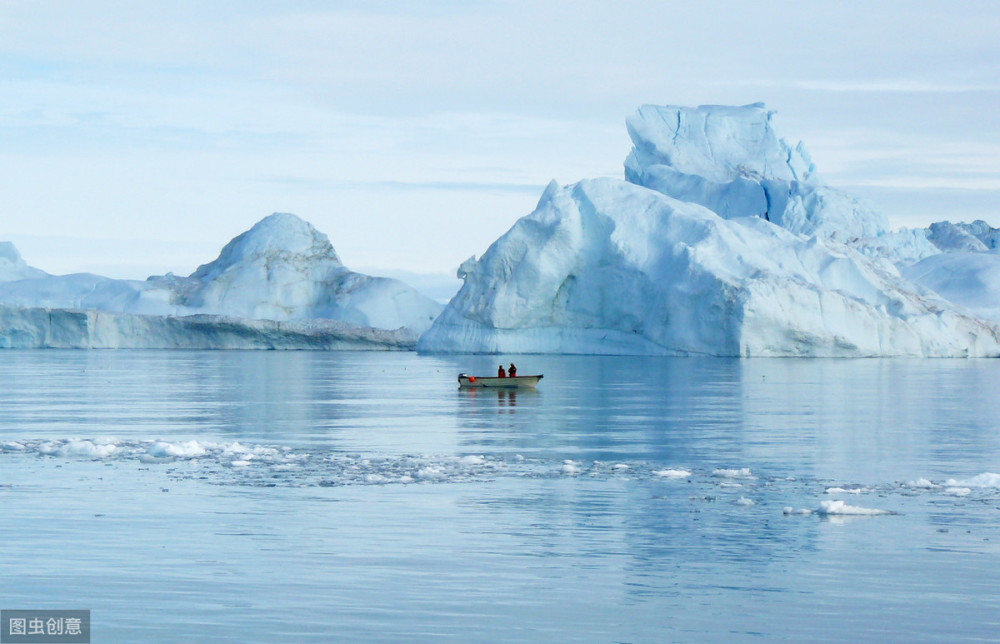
281,270
797,500
969,279
722,241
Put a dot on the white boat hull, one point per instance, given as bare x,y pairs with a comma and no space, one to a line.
518,382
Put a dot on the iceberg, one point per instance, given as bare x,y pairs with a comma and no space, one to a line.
908,246
975,237
721,242
730,160
284,269
280,284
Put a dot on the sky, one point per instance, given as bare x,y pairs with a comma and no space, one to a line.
137,138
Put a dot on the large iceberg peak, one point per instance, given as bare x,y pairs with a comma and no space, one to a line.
730,160
12,265
280,235
284,269
8,253
718,142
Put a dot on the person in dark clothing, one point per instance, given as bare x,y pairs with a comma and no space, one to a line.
512,372
500,372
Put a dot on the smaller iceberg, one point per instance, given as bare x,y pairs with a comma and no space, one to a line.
279,285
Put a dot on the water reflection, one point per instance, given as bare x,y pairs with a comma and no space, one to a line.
604,553
505,401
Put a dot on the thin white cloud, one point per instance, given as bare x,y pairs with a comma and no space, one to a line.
890,85
412,133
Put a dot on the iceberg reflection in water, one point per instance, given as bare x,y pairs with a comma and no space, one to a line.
259,497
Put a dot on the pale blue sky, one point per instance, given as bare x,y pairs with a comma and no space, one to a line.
415,135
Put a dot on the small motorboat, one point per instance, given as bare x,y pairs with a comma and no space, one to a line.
466,381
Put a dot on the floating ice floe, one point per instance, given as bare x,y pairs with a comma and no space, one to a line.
570,468
984,480
829,508
743,472
671,473
256,465
431,473
838,508
847,490
96,449
185,449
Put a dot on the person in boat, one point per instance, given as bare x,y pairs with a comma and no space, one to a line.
512,371
501,373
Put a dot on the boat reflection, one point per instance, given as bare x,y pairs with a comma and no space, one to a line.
507,399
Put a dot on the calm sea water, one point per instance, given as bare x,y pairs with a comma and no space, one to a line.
315,497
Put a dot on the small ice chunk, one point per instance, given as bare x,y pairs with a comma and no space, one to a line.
839,508
431,473
743,472
801,511
745,501
922,484
986,479
186,449
671,473
958,491
472,459
846,490
570,468
76,447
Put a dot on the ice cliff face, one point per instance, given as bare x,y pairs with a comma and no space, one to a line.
730,160
35,328
281,270
722,241
604,266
